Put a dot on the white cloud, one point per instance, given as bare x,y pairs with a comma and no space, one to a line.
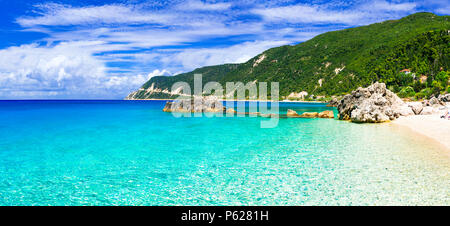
95,41
444,10
57,14
364,13
157,72
65,70
199,5
306,14
389,6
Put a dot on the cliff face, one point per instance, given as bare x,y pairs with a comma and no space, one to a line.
335,62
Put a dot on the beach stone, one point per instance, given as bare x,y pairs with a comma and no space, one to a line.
405,110
416,107
230,110
429,111
292,113
434,101
372,105
326,114
444,97
309,115
426,103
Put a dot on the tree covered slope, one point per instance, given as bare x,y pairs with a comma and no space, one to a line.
337,62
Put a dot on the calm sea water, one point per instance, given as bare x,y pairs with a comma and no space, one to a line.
132,153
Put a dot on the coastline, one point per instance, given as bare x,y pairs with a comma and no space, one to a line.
285,101
431,126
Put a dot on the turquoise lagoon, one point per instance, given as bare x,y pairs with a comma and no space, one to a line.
132,153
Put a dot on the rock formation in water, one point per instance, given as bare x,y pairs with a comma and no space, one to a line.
292,113
372,104
326,114
309,115
333,103
196,105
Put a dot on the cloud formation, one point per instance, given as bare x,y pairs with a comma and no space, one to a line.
108,50
65,70
370,12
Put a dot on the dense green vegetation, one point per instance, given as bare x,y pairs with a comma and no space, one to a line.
212,73
346,59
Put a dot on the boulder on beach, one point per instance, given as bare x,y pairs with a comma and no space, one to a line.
428,111
309,115
292,113
416,107
444,98
405,110
435,101
326,114
434,110
372,105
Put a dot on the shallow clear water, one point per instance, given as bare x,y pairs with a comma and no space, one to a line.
132,153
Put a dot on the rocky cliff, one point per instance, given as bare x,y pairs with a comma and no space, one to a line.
377,104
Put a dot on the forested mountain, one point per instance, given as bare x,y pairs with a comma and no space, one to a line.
337,62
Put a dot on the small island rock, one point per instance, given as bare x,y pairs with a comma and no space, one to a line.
326,114
309,115
292,113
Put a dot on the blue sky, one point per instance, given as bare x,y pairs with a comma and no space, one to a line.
105,49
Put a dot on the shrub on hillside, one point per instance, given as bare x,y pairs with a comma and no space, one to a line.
406,92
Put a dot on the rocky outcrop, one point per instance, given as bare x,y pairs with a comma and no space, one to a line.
292,113
196,105
405,110
372,105
333,103
435,101
444,98
231,111
326,114
309,115
434,105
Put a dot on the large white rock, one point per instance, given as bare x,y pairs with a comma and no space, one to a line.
372,104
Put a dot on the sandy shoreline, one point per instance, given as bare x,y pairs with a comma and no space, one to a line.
431,126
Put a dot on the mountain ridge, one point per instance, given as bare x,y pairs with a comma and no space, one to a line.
335,62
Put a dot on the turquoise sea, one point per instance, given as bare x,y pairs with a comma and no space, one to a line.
132,153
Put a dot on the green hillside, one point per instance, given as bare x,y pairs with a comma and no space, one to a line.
212,73
344,60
